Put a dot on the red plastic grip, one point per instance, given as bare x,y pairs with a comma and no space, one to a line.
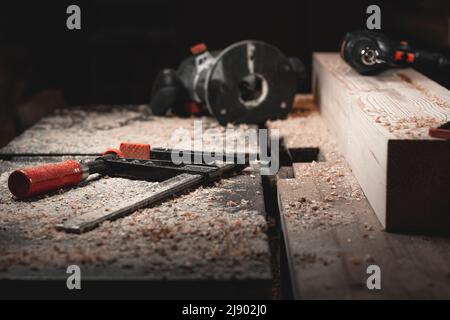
30,181
199,48
135,150
117,152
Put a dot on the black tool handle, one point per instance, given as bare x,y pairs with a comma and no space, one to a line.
300,73
433,60
167,92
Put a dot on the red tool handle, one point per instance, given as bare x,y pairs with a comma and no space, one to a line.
439,133
30,181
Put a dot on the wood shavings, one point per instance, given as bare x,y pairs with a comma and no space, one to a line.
159,242
311,214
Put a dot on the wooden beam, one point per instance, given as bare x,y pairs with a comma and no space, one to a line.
381,125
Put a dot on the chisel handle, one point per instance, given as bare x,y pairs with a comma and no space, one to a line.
27,182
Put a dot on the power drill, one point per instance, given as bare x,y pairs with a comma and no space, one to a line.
371,52
247,82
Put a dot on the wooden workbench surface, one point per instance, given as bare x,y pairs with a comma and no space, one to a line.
95,129
215,235
333,235
212,235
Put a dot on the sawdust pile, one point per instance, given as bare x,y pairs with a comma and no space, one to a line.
313,214
333,190
330,181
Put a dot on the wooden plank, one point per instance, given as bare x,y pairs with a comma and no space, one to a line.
381,126
333,234
333,245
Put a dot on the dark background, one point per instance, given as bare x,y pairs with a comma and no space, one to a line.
124,43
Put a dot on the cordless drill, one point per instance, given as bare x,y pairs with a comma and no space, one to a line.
371,52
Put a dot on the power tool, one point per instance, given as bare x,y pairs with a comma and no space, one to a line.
247,82
371,52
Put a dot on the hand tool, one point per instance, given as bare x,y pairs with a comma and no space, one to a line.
443,131
371,52
247,82
137,161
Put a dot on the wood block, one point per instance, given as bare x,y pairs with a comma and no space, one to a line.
381,127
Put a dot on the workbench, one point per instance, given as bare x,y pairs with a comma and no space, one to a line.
211,242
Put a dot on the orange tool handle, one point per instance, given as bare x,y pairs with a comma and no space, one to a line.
31,181
131,150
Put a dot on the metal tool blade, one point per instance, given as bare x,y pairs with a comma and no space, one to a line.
91,220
